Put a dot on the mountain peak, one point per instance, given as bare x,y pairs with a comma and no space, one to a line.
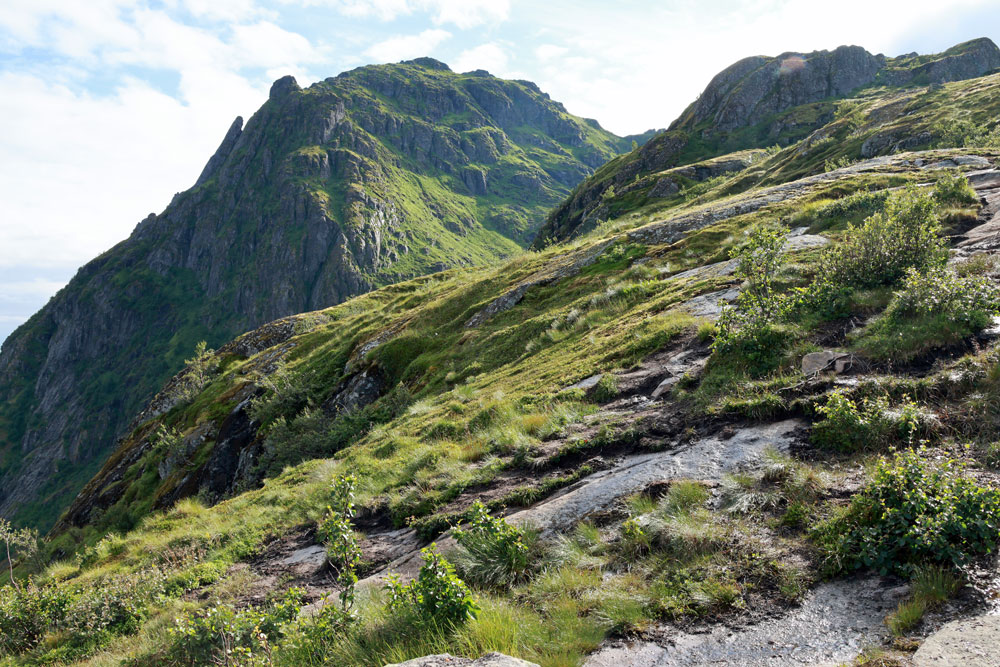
283,86
427,63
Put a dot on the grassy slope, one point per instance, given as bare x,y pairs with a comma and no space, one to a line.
480,403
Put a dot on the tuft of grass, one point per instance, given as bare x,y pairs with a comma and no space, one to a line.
906,616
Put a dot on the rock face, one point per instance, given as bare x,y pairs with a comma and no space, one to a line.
973,642
833,624
376,175
763,101
744,93
446,660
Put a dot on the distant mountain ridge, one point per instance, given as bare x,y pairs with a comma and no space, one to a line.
758,102
379,174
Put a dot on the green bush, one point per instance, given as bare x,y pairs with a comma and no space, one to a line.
27,613
879,251
964,133
223,635
849,426
933,309
493,553
758,304
953,189
914,512
748,334
118,606
437,596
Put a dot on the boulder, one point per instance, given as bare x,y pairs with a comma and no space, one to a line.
446,660
973,642
815,362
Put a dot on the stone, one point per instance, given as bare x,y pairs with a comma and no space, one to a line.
716,270
973,642
710,305
815,362
446,660
586,383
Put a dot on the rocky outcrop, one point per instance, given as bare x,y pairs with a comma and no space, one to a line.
743,94
973,642
964,61
762,101
318,197
447,660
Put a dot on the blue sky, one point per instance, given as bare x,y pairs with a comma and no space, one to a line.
109,107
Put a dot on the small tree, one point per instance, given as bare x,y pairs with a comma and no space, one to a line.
758,304
22,542
199,369
342,548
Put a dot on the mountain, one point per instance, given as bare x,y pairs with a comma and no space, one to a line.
377,175
765,396
760,102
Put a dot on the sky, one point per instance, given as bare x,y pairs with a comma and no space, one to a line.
109,107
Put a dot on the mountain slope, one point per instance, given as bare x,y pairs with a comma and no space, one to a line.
757,410
377,175
571,385
760,102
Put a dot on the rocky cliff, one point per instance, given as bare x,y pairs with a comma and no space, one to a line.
376,175
763,101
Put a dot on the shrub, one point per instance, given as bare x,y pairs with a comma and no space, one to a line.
26,614
747,332
198,371
952,188
494,553
224,635
879,251
21,542
437,596
116,607
758,304
914,512
852,427
832,164
964,133
933,309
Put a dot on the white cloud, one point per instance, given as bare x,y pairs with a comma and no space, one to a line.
467,13
633,70
546,52
462,14
403,47
490,57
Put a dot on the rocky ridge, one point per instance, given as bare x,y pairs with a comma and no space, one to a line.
763,101
374,176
